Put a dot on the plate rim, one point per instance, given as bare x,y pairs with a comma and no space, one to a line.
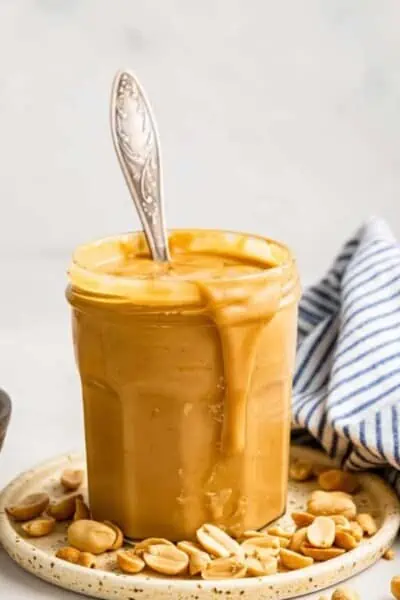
358,559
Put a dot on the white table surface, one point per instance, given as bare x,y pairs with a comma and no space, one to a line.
276,117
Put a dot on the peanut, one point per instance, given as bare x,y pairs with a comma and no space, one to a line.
129,562
266,545
31,507
389,554
190,547
166,559
119,536
91,536
251,533
86,559
64,509
321,533
331,503
39,527
301,471
298,539
144,545
284,541
367,524
71,479
198,562
198,559
345,593
81,510
217,542
318,469
69,554
302,519
292,560
258,567
341,521
279,532
232,567
395,587
321,554
344,539
356,531
337,480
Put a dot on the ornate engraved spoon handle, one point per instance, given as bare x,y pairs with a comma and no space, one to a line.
137,146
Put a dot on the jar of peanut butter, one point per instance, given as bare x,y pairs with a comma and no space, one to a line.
186,375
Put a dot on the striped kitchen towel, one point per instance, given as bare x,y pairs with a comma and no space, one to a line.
347,377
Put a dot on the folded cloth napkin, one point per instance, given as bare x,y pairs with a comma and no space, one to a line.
347,380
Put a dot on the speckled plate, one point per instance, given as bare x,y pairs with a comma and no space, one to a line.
37,555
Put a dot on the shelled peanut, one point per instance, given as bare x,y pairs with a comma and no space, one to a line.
75,556
257,553
38,513
395,587
345,593
328,527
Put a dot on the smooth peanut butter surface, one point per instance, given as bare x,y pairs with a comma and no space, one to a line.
186,375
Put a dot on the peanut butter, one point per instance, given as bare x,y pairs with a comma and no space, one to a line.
186,376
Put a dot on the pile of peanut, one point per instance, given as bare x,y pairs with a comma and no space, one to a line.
329,527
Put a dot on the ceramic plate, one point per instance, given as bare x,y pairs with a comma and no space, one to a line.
37,555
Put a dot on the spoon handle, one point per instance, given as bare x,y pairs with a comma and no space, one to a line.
137,146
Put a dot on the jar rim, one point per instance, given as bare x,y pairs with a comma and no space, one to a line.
85,279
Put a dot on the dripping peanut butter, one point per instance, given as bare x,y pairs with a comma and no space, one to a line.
186,379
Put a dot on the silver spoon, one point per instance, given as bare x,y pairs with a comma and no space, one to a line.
137,146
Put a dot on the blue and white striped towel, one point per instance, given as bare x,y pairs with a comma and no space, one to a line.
347,377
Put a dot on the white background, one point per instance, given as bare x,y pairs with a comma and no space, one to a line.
276,116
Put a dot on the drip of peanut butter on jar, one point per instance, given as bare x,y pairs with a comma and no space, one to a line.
239,283
240,310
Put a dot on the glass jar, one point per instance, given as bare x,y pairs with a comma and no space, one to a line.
186,407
